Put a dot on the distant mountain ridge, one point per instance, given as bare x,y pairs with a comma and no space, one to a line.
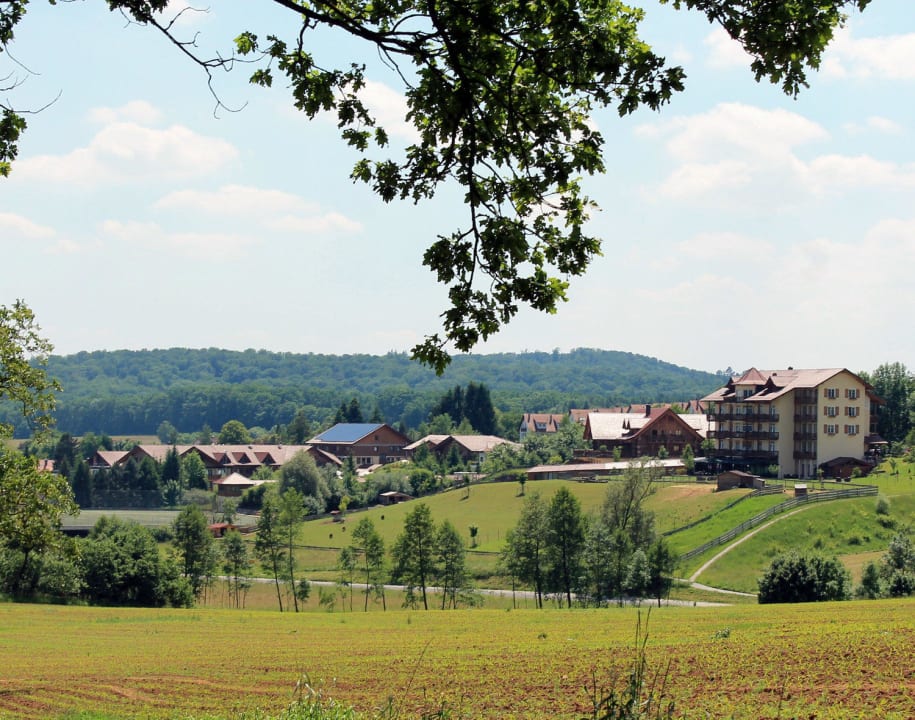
132,391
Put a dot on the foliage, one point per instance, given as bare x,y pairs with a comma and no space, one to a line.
193,545
370,546
565,540
237,566
234,432
130,391
301,474
524,556
472,404
193,471
32,503
895,384
122,566
450,564
24,353
795,578
291,516
413,554
269,548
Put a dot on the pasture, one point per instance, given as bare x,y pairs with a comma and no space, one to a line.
829,661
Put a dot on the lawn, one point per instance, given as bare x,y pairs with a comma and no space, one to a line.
843,527
829,661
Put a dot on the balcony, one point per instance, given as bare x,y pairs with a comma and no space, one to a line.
743,434
805,455
805,435
743,417
763,455
761,435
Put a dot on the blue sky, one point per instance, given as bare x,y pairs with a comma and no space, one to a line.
740,227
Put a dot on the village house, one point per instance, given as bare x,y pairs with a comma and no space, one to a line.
367,443
471,448
650,432
220,461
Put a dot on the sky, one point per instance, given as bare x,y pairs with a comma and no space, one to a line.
740,227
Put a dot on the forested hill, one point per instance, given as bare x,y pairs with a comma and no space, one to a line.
131,392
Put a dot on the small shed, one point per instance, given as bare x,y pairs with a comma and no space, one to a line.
392,497
800,490
739,479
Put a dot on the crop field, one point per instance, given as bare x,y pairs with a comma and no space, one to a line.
831,660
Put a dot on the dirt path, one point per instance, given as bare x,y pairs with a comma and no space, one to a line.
709,563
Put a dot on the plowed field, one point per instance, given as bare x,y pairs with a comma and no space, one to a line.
843,660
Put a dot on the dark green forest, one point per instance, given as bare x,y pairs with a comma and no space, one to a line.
128,392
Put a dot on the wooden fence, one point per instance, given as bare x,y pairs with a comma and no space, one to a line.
852,492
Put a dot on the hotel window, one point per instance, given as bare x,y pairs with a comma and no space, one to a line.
852,411
831,393
831,429
851,393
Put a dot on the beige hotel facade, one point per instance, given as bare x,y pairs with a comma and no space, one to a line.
797,420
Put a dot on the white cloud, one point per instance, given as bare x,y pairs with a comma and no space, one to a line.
213,247
390,109
19,226
891,57
701,179
725,52
724,246
730,127
836,172
735,148
276,210
236,200
314,224
126,151
136,111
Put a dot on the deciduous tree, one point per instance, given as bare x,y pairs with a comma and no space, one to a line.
370,546
524,556
236,564
193,546
414,554
565,534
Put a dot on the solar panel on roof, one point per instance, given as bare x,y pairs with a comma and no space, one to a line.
347,432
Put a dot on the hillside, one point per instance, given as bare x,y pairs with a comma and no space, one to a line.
131,392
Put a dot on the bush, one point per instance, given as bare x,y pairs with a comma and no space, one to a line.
804,578
883,506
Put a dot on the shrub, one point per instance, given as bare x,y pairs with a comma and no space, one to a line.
804,578
883,506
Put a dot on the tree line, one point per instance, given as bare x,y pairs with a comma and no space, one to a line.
131,392
556,550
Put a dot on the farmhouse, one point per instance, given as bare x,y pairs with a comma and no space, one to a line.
470,448
220,460
367,443
646,433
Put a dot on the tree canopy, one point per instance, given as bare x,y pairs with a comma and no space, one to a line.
501,94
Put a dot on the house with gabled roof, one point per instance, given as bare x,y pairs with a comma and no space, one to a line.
641,434
220,460
367,443
801,421
471,448
539,423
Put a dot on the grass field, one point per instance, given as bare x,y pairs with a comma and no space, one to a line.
835,660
